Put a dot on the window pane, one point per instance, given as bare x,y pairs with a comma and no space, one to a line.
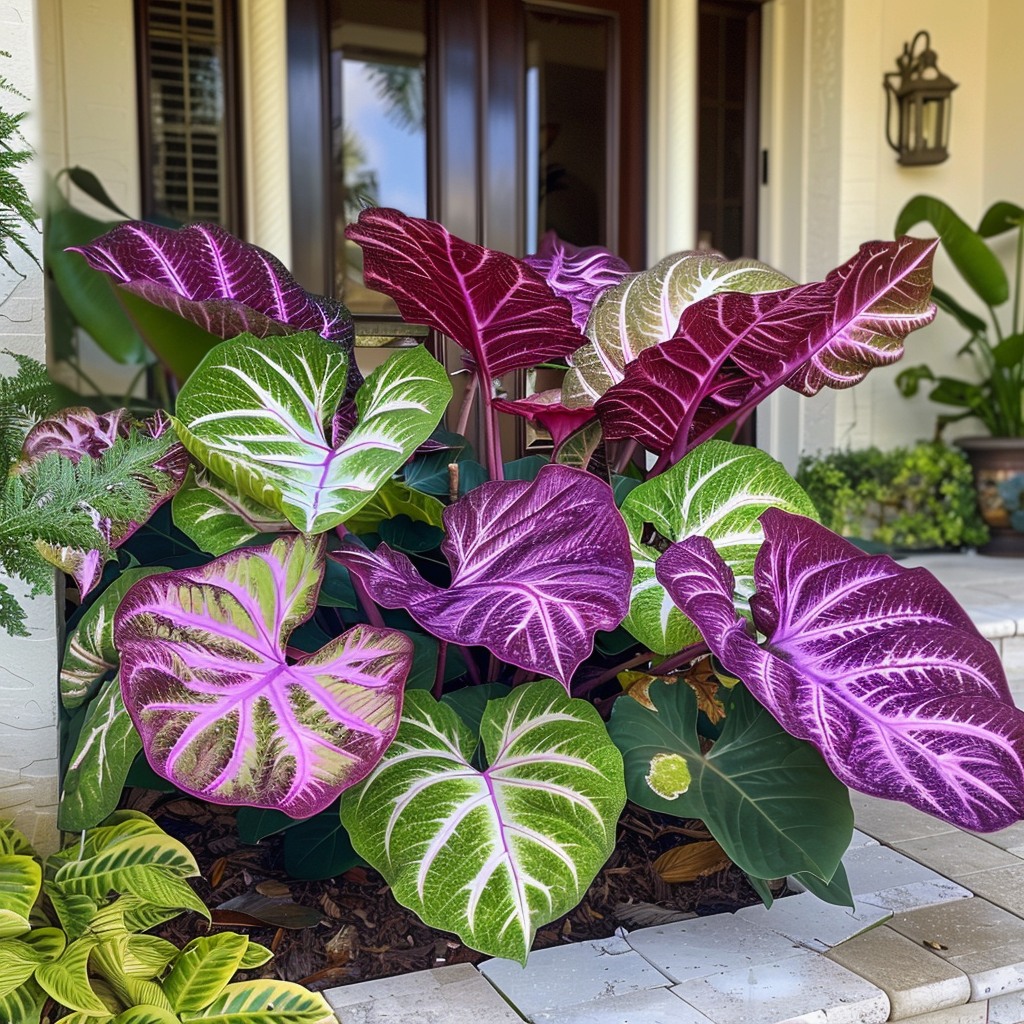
378,126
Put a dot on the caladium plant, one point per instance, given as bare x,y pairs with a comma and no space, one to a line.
332,551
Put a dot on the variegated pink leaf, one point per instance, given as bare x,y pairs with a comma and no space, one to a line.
546,408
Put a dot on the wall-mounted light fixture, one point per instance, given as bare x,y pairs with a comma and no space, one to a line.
922,95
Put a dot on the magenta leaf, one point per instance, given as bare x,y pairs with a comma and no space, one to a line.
537,569
224,713
874,664
206,275
501,311
546,409
731,350
579,274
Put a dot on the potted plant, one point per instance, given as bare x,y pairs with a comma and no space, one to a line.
301,589
995,345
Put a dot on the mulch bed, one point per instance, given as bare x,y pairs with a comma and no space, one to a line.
356,931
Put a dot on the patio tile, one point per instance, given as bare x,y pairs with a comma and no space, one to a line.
969,1013
1006,1009
1009,838
886,878
956,855
1002,886
812,923
710,945
653,1006
803,989
915,981
982,940
565,976
446,995
894,821
902,898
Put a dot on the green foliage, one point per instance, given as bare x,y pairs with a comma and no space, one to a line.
907,498
16,213
996,393
72,931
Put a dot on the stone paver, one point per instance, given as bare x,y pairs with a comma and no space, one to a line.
1002,886
957,855
1006,838
980,939
886,878
1007,1009
446,995
709,945
654,1006
971,1013
802,989
915,981
565,976
812,923
892,821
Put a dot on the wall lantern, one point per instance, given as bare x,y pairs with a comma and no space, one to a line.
923,97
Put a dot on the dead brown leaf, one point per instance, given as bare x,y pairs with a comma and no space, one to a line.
691,861
342,945
273,888
703,681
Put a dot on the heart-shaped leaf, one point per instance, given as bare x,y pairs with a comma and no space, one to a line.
577,273
258,413
717,491
492,855
874,664
500,310
743,788
537,569
222,711
644,310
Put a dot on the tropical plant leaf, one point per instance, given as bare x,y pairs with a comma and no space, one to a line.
577,273
731,350
492,855
395,498
874,664
24,1005
319,847
26,396
203,969
497,308
690,861
644,310
223,713
20,957
717,491
147,956
99,764
264,1001
766,797
547,409
66,979
537,569
20,881
259,415
142,1014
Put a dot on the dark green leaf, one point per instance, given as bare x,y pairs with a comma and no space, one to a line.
403,534
92,187
470,701
1009,352
966,318
256,823
319,847
1000,217
524,469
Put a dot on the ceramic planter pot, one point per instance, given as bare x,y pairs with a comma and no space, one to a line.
998,465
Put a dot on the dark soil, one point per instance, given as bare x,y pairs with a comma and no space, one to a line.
356,931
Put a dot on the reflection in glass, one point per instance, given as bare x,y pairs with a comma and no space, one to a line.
378,126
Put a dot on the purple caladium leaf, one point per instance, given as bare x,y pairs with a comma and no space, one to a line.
577,273
223,713
537,569
731,350
874,664
206,275
546,408
501,311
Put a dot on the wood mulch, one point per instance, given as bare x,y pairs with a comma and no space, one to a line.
348,929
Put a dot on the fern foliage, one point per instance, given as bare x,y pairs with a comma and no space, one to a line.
16,212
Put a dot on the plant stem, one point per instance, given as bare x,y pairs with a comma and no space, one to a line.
1016,326
468,400
687,654
611,673
495,467
625,456
471,666
442,660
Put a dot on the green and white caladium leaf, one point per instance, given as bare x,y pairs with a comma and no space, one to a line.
717,491
218,518
99,765
89,653
262,414
492,855
742,788
224,712
644,310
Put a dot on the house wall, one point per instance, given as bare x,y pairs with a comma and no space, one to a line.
28,668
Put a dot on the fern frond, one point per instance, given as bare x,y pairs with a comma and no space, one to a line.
25,398
16,211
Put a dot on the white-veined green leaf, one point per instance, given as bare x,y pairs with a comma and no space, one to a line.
24,1005
255,955
147,956
492,855
20,957
99,765
717,491
67,978
203,969
20,879
259,414
265,1001
146,1015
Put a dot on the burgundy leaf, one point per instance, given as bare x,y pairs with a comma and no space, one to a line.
537,568
874,664
546,408
577,273
501,311
731,350
206,275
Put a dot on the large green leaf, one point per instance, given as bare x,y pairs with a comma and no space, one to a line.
203,969
977,264
66,979
147,956
396,498
491,855
24,1005
20,880
264,1001
768,798
99,765
143,1015
717,491
19,958
644,310
259,413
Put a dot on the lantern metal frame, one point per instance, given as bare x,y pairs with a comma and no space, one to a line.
922,95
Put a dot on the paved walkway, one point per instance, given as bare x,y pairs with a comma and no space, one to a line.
936,937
